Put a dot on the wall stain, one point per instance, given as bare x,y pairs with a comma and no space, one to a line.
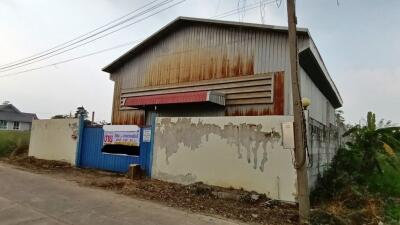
185,179
245,137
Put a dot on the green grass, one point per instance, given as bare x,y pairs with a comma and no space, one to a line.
392,212
387,185
13,140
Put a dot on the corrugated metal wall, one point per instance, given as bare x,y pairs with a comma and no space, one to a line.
320,109
204,52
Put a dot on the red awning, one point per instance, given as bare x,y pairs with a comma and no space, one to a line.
175,98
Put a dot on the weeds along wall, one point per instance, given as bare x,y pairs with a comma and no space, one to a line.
250,152
54,139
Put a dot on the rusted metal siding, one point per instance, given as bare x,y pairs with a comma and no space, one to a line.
200,52
278,94
251,89
127,116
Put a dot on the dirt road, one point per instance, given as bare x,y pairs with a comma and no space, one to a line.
28,198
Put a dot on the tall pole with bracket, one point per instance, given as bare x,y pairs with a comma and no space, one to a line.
299,131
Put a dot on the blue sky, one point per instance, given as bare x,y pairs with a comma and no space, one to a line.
358,41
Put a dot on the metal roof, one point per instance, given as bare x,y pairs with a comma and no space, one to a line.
11,113
309,62
315,58
180,21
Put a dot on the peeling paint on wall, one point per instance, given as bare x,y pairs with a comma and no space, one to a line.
239,151
75,130
246,137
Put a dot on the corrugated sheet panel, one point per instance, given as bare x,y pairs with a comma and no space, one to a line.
239,91
92,157
320,108
128,116
201,52
175,98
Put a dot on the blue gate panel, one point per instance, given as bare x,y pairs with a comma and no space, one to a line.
92,157
145,150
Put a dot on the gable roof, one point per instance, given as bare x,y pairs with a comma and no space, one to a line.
9,112
110,68
9,108
314,61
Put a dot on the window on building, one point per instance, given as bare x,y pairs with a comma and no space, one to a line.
3,124
16,126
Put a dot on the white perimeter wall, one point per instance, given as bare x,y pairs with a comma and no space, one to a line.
239,152
53,139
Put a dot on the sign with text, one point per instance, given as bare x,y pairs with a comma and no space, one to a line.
121,135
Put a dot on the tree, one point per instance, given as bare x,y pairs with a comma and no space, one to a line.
372,142
81,111
59,116
339,118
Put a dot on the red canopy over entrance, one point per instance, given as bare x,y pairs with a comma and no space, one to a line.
175,98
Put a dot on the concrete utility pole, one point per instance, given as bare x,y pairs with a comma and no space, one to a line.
299,134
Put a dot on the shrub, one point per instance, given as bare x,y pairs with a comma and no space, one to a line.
11,141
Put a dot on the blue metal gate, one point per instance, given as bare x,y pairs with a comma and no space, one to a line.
91,156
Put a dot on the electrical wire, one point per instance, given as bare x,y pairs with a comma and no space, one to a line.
235,11
69,60
262,12
80,36
211,46
228,13
16,65
87,42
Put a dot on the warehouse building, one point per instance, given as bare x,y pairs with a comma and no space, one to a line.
193,68
231,68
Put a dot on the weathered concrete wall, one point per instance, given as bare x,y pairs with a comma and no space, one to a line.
54,139
240,152
323,143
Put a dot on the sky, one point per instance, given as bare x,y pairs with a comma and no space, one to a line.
358,41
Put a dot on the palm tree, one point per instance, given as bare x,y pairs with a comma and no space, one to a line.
372,143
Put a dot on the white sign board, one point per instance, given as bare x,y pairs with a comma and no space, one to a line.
146,135
121,135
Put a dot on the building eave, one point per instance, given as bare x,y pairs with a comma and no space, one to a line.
316,70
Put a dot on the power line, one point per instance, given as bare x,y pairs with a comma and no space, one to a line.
104,35
228,13
69,60
29,61
80,36
244,9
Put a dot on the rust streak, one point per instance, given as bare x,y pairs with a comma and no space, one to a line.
278,93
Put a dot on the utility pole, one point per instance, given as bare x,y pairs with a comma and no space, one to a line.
299,134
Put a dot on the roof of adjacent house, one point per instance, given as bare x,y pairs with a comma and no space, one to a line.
310,60
9,112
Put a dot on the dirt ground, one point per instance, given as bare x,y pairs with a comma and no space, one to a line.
231,203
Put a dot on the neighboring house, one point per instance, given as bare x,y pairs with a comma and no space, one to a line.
13,119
